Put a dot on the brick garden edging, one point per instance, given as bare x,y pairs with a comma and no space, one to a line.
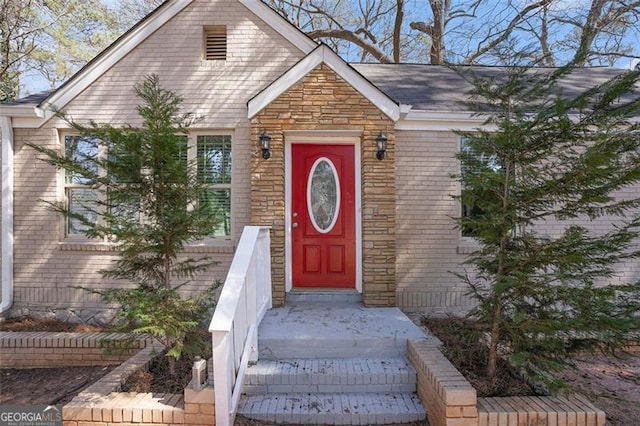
539,410
45,349
450,399
101,404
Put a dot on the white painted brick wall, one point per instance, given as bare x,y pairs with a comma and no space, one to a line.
428,246
46,270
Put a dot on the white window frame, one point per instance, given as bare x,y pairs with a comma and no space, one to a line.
192,152
64,196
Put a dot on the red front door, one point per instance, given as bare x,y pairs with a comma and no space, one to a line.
323,225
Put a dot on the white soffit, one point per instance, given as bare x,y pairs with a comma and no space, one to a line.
323,54
110,56
286,29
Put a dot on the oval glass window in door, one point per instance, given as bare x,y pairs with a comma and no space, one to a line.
323,195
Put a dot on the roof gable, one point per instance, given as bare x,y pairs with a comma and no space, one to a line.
136,35
324,55
114,53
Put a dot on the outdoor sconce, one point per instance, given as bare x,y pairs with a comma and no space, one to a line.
382,145
265,141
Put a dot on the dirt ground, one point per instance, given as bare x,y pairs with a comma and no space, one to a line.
50,386
612,383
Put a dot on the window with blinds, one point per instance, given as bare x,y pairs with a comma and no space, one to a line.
475,163
215,43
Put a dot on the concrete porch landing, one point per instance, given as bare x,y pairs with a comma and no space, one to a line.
340,330
339,363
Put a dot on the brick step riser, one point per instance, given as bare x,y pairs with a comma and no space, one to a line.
318,388
340,419
331,375
336,409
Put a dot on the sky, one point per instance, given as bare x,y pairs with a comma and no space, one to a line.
32,82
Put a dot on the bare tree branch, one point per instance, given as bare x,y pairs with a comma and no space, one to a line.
507,31
353,38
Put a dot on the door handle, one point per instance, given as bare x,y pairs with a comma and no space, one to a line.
294,225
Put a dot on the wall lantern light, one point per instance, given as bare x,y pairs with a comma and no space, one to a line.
382,145
265,141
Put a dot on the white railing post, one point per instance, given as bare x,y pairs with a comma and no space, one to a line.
243,301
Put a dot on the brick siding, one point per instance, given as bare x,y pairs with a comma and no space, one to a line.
49,269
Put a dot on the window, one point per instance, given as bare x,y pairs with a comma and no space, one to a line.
81,199
215,43
213,153
210,153
474,163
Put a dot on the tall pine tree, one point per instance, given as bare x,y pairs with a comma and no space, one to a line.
545,280
145,198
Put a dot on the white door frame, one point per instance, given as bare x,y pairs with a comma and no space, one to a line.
321,137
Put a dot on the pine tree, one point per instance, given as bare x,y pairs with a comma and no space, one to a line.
147,203
542,295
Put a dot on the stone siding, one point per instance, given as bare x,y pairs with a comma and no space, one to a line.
324,101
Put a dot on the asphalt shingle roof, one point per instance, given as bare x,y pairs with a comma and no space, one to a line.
440,88
433,87
33,99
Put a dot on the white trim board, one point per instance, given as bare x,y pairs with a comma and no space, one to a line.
286,29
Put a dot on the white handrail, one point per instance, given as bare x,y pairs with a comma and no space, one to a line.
244,299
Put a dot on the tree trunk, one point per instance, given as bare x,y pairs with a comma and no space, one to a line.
170,360
437,32
494,338
396,30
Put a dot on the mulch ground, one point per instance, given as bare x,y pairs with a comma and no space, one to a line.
456,335
51,325
60,385
51,386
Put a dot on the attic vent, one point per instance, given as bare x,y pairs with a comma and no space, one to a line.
215,43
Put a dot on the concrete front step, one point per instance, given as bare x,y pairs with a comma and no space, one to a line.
330,375
333,408
345,330
333,363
